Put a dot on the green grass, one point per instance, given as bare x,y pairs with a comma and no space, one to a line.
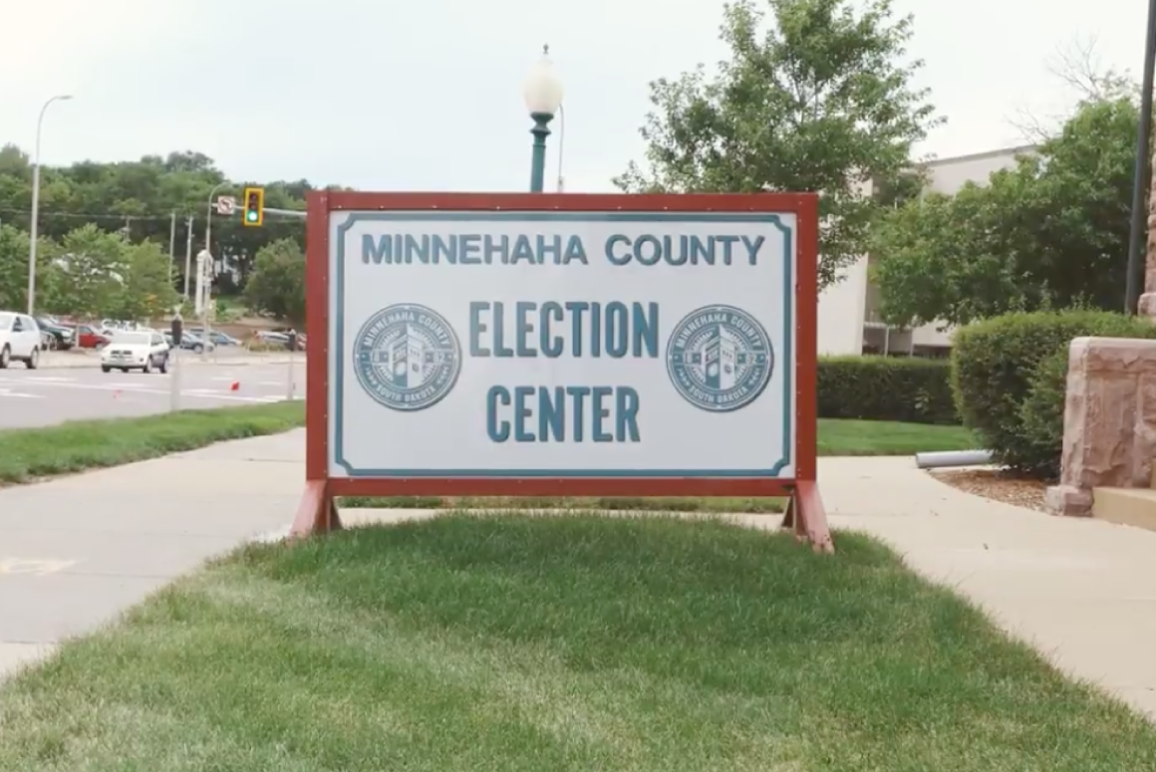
74,446
550,644
28,454
847,437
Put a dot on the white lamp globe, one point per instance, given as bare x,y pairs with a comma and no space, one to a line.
543,90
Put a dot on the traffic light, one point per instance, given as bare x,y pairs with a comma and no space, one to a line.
254,212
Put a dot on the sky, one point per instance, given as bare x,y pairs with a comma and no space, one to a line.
391,95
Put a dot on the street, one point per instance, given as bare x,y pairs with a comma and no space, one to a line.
50,396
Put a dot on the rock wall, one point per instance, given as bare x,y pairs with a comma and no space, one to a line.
1109,421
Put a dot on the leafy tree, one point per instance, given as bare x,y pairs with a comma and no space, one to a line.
1050,233
277,284
147,291
89,275
137,199
822,100
14,268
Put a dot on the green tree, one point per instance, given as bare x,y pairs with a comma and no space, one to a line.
820,100
137,199
277,284
1052,232
147,291
89,275
14,268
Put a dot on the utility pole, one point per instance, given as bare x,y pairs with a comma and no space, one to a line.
188,255
172,243
1141,172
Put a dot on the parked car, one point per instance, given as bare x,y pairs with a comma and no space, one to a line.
19,340
217,337
190,342
56,335
90,337
141,350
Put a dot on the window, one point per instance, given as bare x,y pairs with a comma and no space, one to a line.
6,321
131,338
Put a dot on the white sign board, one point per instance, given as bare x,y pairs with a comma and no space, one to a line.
226,205
561,344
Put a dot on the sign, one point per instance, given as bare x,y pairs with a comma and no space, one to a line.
226,205
562,345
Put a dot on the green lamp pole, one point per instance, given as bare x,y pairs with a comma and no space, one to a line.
543,94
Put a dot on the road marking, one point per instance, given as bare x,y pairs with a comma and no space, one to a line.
33,567
17,395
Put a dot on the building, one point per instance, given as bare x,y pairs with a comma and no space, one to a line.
849,321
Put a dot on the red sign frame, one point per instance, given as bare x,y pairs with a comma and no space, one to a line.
805,512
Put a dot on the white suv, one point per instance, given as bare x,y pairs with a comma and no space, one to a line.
19,339
135,350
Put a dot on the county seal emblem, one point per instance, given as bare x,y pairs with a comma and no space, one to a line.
719,358
407,357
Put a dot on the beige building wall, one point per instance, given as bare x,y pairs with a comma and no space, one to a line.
849,321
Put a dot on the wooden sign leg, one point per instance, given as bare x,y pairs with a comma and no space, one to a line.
317,512
806,516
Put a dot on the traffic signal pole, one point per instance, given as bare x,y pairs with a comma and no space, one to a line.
286,212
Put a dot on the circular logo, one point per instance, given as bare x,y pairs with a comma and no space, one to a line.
407,357
719,358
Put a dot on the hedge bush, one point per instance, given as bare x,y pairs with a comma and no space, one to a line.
886,389
1009,375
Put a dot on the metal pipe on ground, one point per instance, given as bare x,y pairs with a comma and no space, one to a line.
953,458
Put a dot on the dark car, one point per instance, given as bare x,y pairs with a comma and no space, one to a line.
55,334
217,337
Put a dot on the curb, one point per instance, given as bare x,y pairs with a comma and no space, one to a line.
80,362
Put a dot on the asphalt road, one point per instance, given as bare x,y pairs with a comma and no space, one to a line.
50,396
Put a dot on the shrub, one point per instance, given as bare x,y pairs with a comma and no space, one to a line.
886,389
1008,378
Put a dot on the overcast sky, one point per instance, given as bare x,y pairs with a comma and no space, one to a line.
391,95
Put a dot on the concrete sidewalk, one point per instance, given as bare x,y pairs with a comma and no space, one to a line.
76,551
1082,591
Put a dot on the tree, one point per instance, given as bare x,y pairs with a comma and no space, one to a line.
147,291
821,101
89,275
277,284
1050,233
14,268
137,198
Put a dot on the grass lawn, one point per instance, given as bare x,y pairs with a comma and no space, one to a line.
29,454
26,454
547,644
847,437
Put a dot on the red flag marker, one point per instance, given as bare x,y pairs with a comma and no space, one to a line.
234,385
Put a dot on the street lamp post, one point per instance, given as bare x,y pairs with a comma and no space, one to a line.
1135,278
208,232
543,94
36,205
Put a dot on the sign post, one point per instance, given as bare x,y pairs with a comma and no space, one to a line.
176,332
563,345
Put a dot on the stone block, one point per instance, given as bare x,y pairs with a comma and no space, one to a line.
1068,500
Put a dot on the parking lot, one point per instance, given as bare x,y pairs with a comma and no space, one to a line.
53,395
